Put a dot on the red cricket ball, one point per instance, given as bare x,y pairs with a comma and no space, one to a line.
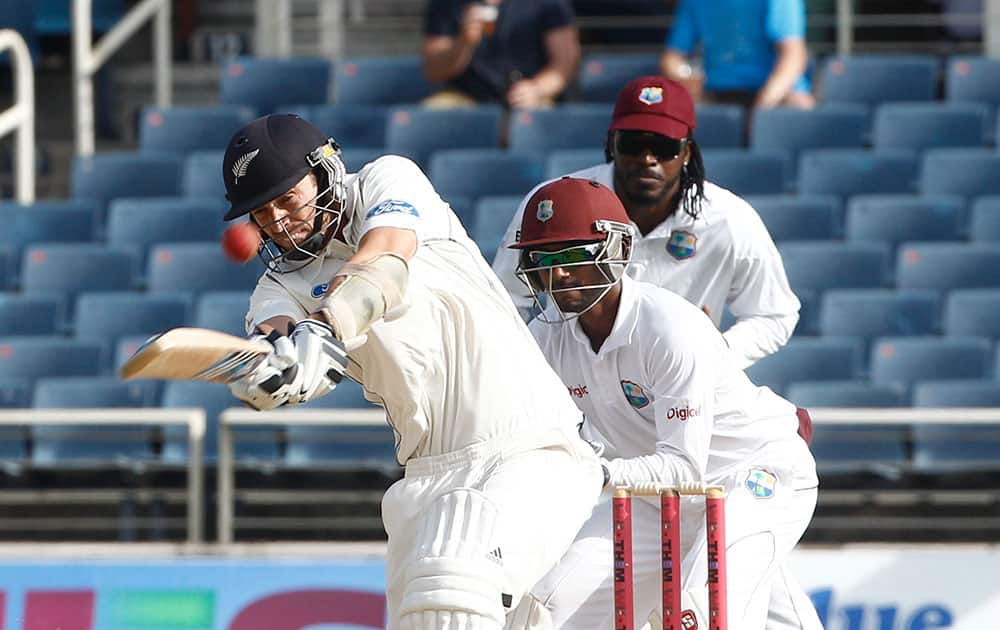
240,241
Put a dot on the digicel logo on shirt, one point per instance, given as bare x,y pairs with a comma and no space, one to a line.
577,391
683,413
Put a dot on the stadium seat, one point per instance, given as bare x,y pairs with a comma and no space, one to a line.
123,351
30,314
107,176
568,161
106,317
846,172
920,126
973,80
842,394
807,359
355,158
895,219
966,172
946,266
562,127
265,84
808,324
902,361
89,444
50,221
19,15
462,207
719,126
477,173
53,17
184,129
602,76
137,224
203,176
871,313
972,312
31,358
15,393
69,269
196,268
492,215
984,222
822,265
956,448
416,132
875,79
959,393
223,310
852,449
251,444
8,268
350,125
745,172
795,218
380,81
791,131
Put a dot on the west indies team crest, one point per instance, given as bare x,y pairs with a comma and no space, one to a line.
545,210
761,483
651,95
681,245
634,394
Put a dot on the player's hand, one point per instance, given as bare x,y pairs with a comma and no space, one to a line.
322,358
272,383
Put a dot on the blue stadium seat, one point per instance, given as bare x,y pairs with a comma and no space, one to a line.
202,176
568,161
380,81
50,221
107,176
792,131
184,129
562,127
416,132
842,394
265,84
124,349
477,173
602,76
89,444
15,393
972,312
54,17
956,448
966,172
973,80
851,449
492,215
945,266
196,268
808,313
8,268
794,218
19,15
822,265
69,269
355,158
895,219
871,313
719,126
875,79
807,359
462,207
223,310
919,126
958,393
902,361
745,172
984,222
106,317
31,358
350,125
256,444
846,172
136,224
30,314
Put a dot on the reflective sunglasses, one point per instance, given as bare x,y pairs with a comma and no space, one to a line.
636,143
570,256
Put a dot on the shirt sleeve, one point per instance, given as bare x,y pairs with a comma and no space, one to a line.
269,299
441,18
786,19
684,32
395,193
556,14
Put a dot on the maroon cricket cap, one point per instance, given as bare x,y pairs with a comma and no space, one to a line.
654,104
568,209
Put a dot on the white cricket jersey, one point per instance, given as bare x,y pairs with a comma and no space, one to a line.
724,257
459,366
666,399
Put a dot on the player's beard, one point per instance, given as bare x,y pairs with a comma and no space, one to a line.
643,187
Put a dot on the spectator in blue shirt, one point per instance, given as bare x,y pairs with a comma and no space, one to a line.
754,51
520,53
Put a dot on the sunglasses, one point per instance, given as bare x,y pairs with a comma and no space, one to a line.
569,256
636,143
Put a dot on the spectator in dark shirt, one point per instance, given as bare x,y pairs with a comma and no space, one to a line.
520,53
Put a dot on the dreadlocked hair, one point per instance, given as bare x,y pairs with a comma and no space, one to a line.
692,191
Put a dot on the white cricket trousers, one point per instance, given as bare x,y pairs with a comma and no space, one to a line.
544,487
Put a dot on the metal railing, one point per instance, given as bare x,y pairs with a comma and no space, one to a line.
88,59
20,117
193,418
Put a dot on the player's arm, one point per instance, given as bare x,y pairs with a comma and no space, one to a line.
447,48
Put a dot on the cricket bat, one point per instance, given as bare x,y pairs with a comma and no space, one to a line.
195,354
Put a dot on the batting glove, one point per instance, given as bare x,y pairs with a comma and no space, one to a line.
272,383
322,358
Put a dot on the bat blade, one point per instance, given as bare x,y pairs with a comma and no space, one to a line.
195,354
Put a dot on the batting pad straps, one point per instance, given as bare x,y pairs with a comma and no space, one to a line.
371,290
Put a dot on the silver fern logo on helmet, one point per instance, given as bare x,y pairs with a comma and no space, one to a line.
241,165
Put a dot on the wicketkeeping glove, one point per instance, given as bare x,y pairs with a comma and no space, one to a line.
272,383
322,358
